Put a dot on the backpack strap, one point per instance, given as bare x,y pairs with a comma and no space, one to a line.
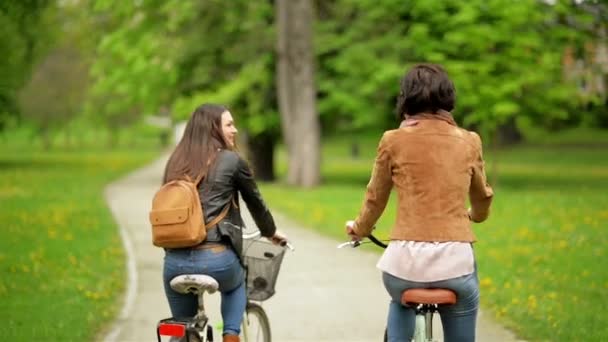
198,179
221,216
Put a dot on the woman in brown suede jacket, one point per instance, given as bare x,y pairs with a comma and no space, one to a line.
435,167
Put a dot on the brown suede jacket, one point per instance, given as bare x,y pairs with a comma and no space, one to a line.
434,165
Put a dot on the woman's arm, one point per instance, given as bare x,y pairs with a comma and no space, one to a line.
378,191
252,197
480,191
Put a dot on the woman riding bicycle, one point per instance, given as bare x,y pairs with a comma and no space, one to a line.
435,166
207,151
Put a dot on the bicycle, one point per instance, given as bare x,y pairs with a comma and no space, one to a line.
263,260
426,301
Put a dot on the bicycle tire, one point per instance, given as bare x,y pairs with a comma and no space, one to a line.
260,331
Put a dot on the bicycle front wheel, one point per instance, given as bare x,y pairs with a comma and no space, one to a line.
256,327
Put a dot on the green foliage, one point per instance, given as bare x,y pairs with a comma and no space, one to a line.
180,54
150,57
505,57
54,94
232,64
134,72
61,262
81,134
537,254
25,35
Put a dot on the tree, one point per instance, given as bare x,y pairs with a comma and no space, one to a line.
133,71
211,51
505,58
297,91
25,35
234,66
55,93
586,59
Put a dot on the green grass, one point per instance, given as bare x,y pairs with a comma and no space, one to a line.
61,259
542,253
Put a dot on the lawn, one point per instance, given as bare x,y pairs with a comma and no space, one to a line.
542,253
61,259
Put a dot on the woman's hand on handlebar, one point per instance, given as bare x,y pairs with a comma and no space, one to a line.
350,231
279,238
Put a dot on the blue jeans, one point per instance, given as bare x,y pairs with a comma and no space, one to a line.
223,266
458,320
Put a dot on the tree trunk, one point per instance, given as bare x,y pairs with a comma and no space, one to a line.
68,137
46,139
113,137
297,92
508,133
261,155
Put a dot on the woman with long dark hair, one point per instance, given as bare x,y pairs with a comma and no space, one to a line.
207,151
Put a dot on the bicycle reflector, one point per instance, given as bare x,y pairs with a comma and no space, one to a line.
172,329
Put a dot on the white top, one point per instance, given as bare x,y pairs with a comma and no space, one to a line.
427,261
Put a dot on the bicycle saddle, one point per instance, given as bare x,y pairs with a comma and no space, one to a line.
428,296
194,283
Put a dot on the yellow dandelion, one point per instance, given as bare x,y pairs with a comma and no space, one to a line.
523,232
485,282
567,227
532,303
52,233
72,259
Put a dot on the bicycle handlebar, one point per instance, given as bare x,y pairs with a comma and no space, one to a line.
257,234
288,245
376,241
357,243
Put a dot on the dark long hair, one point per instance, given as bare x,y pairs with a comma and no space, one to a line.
425,88
197,150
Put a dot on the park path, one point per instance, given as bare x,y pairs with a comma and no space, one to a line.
323,294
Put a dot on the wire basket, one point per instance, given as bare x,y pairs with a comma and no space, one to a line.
263,261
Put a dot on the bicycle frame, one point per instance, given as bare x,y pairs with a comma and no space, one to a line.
423,331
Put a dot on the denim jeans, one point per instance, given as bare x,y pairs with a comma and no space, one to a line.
223,266
458,320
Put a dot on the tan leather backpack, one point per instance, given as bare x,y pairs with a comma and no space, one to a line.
177,215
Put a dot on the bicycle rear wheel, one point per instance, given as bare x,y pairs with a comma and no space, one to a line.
256,327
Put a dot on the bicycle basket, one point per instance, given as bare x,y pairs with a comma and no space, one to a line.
263,261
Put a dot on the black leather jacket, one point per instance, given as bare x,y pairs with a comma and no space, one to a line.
229,176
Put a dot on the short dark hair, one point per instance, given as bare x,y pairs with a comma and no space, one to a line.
425,88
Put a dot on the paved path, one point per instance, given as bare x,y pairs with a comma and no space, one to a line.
323,294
